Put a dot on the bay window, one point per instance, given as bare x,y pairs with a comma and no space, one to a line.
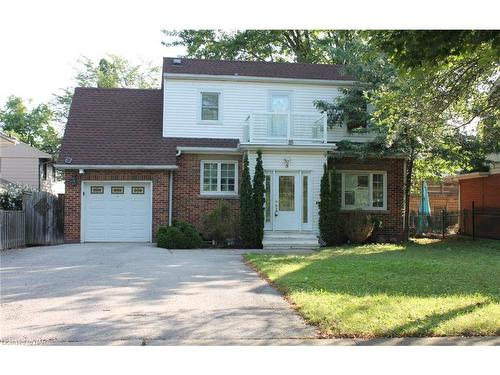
364,189
219,177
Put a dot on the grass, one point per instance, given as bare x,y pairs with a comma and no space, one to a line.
424,288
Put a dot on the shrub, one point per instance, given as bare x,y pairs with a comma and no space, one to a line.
11,199
358,226
181,235
219,224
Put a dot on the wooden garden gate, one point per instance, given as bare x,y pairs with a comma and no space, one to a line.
44,219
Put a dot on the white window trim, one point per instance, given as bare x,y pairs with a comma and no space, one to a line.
270,94
199,105
219,192
370,174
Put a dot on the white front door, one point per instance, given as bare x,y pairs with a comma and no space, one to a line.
116,211
286,206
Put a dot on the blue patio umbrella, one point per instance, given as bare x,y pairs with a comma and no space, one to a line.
424,211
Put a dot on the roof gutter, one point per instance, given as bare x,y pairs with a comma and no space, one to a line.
283,147
467,176
9,139
212,77
208,150
112,166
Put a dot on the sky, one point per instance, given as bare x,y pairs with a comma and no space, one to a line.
44,43
40,41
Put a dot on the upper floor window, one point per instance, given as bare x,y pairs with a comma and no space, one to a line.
219,177
365,190
210,106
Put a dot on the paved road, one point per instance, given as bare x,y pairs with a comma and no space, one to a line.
108,293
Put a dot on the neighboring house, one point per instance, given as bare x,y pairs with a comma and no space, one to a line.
442,196
135,159
482,188
21,164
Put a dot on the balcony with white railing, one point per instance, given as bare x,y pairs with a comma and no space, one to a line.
285,128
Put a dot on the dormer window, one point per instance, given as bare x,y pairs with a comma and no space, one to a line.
210,104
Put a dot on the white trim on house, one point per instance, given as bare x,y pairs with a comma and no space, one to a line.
284,147
210,150
113,166
219,192
370,174
82,202
210,90
467,176
210,77
5,137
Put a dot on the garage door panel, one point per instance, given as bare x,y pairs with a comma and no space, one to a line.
117,217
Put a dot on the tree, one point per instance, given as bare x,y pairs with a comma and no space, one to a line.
457,70
259,199
302,46
328,208
111,71
30,125
247,207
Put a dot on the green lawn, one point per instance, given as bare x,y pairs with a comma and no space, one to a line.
425,288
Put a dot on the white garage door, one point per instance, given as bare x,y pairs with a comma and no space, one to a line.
116,211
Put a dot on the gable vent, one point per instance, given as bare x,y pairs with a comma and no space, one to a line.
176,62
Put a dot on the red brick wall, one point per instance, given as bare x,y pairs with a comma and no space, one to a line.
188,204
72,196
392,218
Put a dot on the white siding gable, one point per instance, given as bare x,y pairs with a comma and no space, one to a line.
238,100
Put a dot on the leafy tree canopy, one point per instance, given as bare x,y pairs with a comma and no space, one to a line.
30,125
302,46
415,48
111,71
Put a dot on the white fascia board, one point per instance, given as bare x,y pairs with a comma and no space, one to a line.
209,150
210,77
8,139
267,146
134,166
467,176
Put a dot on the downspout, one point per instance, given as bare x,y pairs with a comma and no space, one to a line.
170,195
171,191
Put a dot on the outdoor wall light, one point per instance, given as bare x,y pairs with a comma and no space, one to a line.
72,181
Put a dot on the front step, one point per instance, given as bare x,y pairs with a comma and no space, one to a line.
288,240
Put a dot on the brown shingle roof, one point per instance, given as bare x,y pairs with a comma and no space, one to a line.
256,69
122,127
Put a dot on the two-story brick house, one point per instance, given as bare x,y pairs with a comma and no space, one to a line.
137,159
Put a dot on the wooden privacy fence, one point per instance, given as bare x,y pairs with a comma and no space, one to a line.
44,219
12,229
40,223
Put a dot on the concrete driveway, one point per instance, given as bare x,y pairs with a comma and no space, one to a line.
137,293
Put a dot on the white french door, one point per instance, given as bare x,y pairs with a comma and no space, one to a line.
280,107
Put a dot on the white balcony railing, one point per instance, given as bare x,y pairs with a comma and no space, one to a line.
285,128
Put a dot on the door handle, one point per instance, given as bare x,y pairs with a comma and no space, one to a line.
276,208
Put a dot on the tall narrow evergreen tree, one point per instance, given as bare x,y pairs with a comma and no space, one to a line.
324,198
334,209
247,208
328,209
259,200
